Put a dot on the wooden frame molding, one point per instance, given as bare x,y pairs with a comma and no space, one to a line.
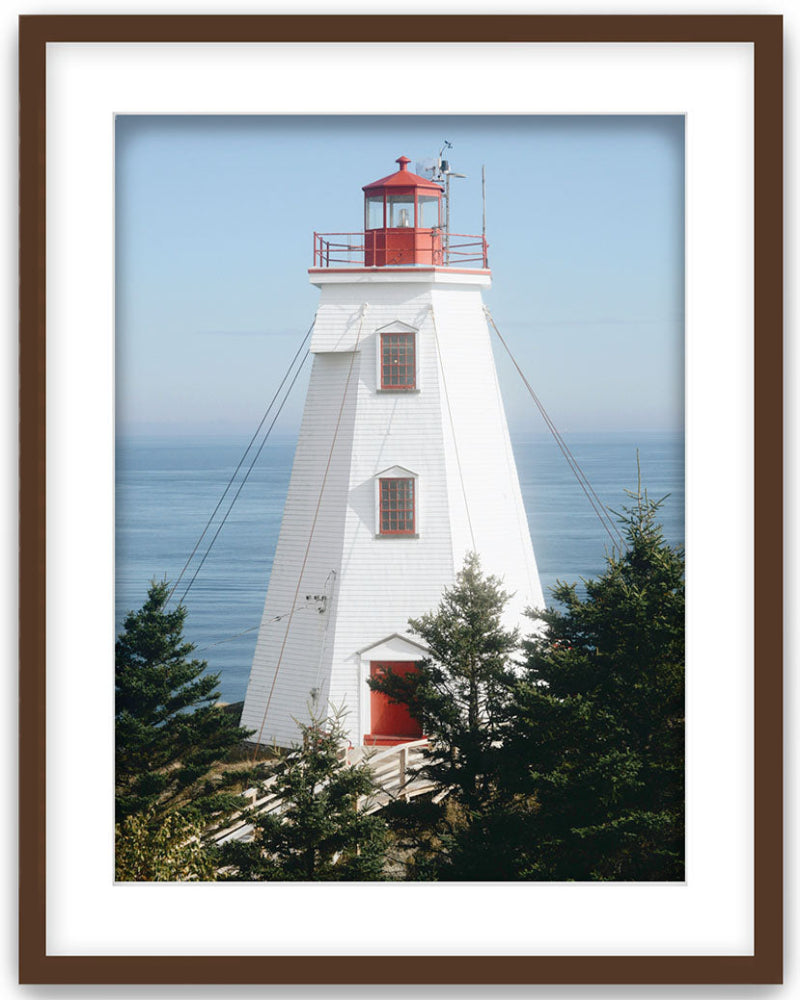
36,966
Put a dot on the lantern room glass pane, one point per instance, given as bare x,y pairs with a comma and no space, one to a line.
428,211
400,211
374,212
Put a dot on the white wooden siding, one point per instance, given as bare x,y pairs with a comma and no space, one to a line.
380,582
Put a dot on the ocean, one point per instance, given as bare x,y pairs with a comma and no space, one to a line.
166,490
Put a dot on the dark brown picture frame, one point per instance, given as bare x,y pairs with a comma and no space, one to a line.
765,965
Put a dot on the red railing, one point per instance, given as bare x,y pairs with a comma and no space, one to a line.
436,247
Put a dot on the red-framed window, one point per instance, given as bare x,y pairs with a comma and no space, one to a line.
398,361
397,514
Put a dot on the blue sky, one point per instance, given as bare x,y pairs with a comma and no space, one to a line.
215,217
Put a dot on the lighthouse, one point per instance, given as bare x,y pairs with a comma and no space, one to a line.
403,466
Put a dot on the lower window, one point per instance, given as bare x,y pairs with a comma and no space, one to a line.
397,515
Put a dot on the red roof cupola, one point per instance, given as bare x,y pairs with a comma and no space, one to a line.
402,220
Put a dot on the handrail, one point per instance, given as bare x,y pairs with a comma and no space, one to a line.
392,764
333,250
390,751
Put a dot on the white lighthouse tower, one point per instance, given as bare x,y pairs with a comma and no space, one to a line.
403,466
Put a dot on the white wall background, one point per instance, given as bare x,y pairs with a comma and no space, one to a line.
8,363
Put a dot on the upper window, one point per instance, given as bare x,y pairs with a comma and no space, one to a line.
398,361
397,514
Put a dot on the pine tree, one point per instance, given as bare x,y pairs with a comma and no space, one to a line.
594,752
320,830
460,695
169,730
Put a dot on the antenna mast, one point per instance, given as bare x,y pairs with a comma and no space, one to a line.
483,198
446,173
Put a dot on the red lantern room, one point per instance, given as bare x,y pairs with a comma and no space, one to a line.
402,220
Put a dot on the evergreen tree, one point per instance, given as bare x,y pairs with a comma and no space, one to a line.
460,695
320,830
170,733
594,751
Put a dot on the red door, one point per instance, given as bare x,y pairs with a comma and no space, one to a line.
390,721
